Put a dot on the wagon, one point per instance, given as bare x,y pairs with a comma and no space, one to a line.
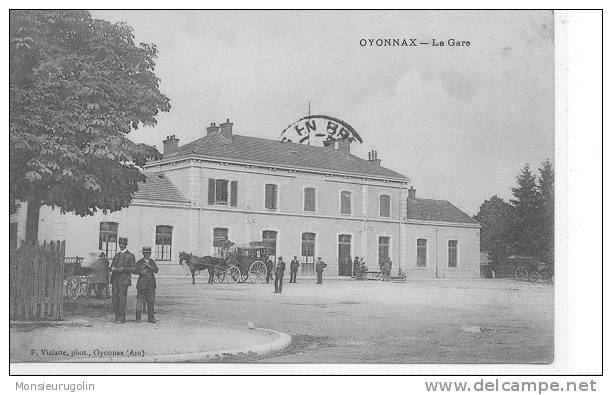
529,269
78,279
245,263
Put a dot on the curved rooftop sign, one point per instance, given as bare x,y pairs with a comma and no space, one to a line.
318,127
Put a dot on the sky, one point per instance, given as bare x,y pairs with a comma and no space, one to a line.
460,122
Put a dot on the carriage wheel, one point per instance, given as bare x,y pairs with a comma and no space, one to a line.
521,273
72,288
534,276
82,286
232,274
258,272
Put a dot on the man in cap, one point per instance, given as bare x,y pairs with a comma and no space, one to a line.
279,273
145,286
319,268
122,267
293,267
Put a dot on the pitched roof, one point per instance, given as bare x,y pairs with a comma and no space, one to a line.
158,187
436,210
275,153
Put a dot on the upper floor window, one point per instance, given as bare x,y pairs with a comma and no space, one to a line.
452,253
222,192
107,240
271,196
310,200
421,252
163,242
385,205
345,202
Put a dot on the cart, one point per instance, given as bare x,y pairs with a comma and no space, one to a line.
245,263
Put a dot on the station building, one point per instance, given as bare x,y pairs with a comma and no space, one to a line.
301,200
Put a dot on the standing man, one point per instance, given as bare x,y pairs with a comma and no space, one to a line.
269,269
293,266
145,286
279,273
319,267
122,267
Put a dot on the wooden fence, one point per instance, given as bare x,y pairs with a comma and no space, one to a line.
36,280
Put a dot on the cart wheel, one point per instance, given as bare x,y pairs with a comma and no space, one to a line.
233,274
258,272
521,273
534,276
99,290
72,288
83,285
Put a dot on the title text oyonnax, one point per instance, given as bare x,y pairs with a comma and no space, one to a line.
412,42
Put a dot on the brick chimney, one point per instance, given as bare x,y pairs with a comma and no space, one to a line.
412,193
329,144
373,157
344,146
226,129
212,128
170,145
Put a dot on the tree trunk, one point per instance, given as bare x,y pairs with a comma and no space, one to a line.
32,221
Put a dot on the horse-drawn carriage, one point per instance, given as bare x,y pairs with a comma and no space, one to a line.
529,269
83,274
236,264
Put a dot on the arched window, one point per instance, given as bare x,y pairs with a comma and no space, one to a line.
107,241
345,203
452,253
269,239
383,249
220,236
421,252
385,206
163,242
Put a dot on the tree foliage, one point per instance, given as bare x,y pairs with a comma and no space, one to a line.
525,226
78,87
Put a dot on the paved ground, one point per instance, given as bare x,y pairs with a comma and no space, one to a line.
348,321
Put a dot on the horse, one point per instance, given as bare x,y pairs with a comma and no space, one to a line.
195,263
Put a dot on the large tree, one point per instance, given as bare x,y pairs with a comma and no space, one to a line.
497,219
78,87
526,206
546,190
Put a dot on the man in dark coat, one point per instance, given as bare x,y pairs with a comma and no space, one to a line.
319,268
269,269
122,267
145,286
279,273
293,266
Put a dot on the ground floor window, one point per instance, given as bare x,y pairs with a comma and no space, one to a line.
383,249
452,253
308,252
163,243
345,264
421,252
220,236
269,239
107,241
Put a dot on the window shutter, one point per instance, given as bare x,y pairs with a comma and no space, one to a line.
233,193
211,191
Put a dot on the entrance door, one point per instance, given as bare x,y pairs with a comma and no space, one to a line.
344,255
269,239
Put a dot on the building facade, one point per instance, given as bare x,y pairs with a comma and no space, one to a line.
300,200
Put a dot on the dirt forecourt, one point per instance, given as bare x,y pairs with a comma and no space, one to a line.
350,321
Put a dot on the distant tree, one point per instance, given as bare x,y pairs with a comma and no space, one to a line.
546,208
526,208
78,86
497,218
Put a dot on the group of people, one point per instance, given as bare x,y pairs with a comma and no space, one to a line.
279,271
121,269
360,267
